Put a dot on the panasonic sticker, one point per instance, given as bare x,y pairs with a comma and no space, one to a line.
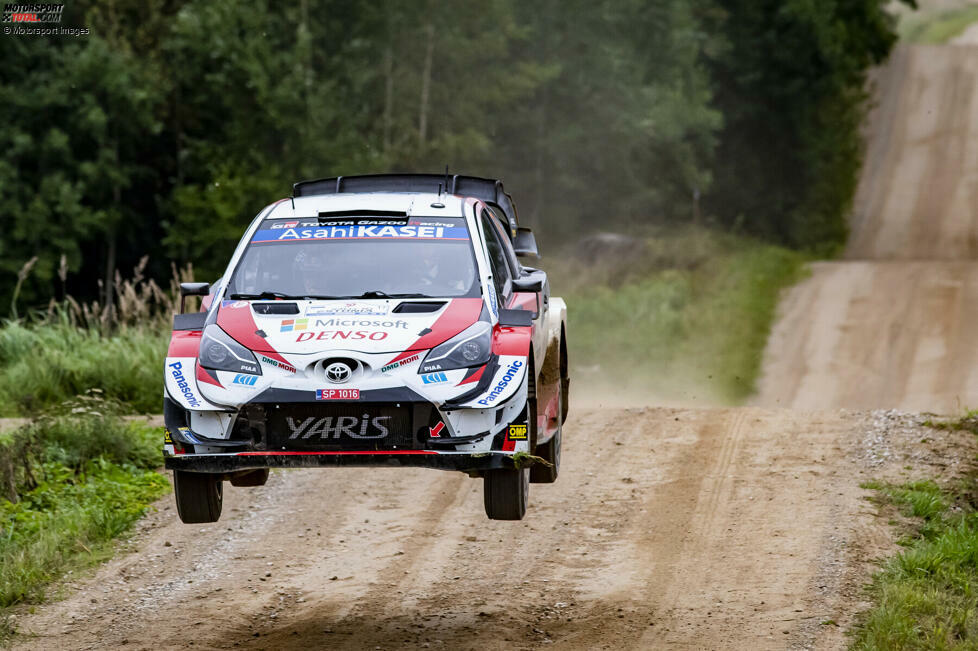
511,372
362,232
182,384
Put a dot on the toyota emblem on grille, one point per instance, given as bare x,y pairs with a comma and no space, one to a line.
338,372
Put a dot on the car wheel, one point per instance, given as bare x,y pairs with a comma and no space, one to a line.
199,496
250,478
550,451
506,493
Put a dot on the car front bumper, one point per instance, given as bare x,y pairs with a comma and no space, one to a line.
240,461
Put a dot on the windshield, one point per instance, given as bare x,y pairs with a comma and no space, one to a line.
357,258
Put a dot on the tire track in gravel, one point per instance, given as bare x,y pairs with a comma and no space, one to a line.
689,528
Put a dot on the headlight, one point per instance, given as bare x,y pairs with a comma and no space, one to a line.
471,347
221,353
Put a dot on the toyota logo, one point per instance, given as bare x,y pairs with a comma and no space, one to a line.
338,372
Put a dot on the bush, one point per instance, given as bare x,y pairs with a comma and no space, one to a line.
71,479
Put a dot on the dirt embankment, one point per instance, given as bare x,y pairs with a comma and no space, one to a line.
892,325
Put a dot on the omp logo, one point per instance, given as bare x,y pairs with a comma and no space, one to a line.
247,380
329,427
288,325
504,381
183,385
434,378
517,432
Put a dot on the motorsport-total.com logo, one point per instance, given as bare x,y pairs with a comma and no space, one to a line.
32,12
37,19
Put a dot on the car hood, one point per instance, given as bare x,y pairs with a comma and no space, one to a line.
369,326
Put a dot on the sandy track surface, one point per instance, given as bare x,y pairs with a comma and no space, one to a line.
871,334
714,528
893,326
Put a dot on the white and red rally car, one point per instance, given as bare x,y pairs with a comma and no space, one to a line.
371,321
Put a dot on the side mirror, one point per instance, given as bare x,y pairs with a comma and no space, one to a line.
532,283
192,289
532,280
525,244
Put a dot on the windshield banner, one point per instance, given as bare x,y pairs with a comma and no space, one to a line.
362,232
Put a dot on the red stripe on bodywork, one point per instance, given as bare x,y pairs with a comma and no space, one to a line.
238,322
184,343
459,315
204,375
474,375
509,446
347,452
508,340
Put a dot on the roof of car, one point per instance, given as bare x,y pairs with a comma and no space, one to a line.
371,203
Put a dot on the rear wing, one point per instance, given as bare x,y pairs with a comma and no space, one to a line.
487,190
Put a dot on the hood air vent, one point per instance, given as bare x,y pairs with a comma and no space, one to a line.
422,307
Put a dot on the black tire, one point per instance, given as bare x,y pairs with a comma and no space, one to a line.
250,478
506,493
199,496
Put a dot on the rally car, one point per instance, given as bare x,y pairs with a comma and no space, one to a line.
380,320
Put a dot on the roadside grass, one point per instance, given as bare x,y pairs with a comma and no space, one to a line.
43,363
680,315
71,347
937,28
71,480
927,596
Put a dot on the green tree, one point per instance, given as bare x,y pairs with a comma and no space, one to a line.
76,120
791,89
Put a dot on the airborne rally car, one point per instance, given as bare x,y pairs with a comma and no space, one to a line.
371,321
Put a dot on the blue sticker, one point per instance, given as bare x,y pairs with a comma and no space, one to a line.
434,378
247,380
